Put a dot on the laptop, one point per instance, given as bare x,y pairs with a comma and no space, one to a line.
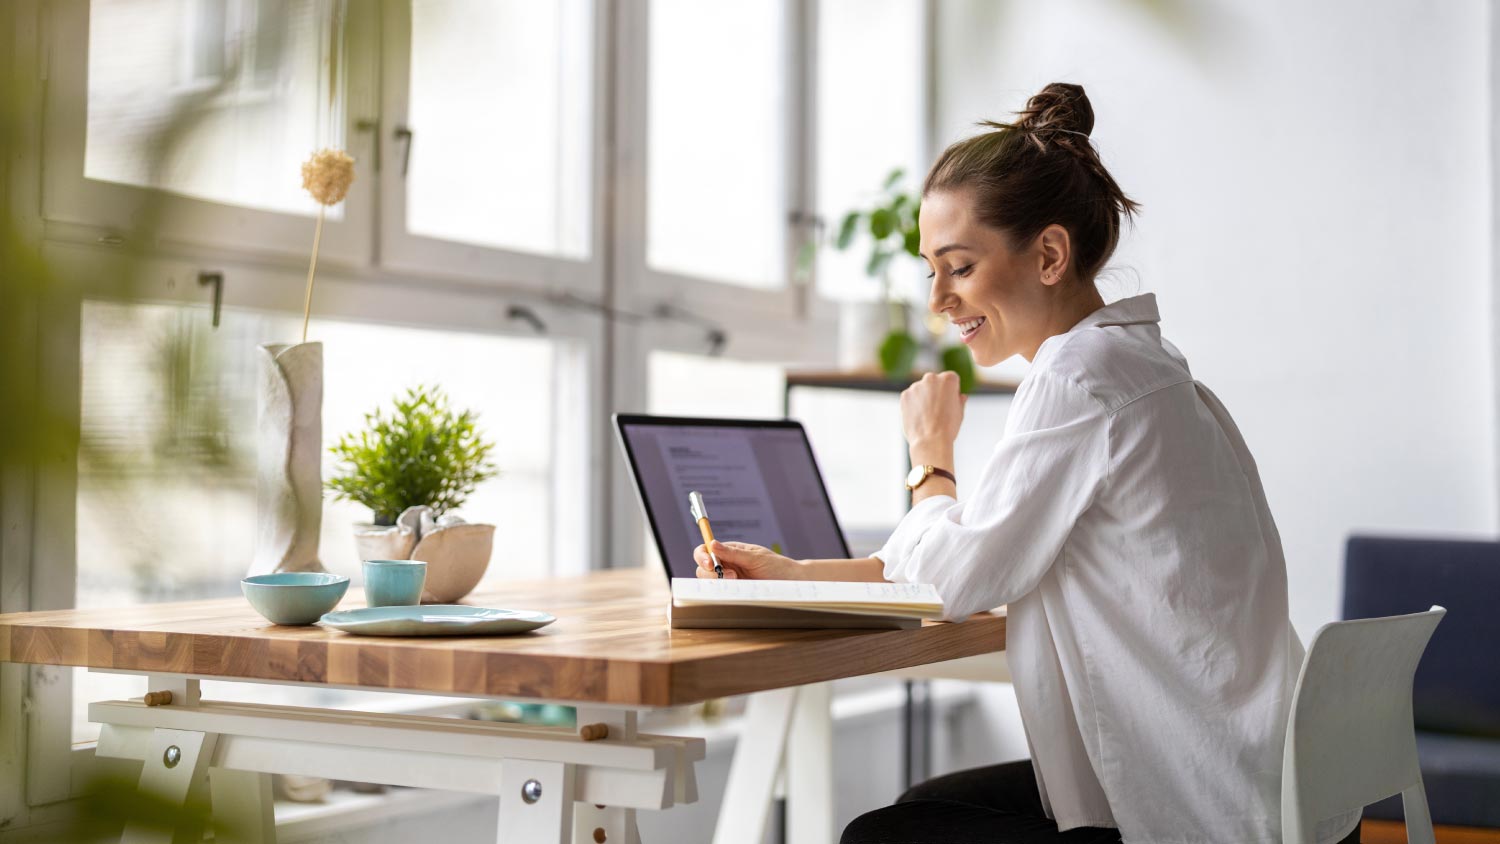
759,480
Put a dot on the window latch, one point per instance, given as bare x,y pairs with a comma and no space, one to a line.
404,134
217,280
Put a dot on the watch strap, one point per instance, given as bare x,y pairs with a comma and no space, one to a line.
932,470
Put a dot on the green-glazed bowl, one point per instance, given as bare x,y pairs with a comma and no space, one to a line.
294,597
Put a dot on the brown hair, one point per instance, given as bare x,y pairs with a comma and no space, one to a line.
1039,170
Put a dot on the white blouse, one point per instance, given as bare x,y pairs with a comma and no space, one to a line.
1122,520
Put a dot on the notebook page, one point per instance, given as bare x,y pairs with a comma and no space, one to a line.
687,590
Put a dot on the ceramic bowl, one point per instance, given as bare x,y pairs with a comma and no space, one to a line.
294,597
456,558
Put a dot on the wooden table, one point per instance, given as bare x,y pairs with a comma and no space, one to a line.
611,653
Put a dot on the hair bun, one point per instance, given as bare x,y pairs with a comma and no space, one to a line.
1059,107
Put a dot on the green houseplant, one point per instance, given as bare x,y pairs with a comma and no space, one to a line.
891,225
421,453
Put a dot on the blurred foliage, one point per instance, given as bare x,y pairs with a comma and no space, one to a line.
891,227
890,224
422,453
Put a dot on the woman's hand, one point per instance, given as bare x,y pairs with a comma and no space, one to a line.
931,411
741,559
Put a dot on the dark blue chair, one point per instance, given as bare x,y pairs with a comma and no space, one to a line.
1456,695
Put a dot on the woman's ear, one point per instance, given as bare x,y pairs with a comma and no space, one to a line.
1056,248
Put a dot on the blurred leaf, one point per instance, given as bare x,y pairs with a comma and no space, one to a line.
913,243
898,353
894,178
882,223
957,359
846,230
879,260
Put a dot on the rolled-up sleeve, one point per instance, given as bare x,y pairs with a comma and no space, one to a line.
995,546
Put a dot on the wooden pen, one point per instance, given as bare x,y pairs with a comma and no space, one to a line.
700,513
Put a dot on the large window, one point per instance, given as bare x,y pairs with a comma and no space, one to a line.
717,141
497,151
241,90
871,98
559,208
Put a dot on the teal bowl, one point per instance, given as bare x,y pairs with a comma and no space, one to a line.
294,597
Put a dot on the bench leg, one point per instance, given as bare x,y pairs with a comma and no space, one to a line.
174,788
242,807
809,768
753,772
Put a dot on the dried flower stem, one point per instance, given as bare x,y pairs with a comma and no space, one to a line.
312,268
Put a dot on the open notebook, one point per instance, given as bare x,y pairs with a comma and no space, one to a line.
801,603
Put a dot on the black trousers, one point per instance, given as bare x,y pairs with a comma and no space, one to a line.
998,804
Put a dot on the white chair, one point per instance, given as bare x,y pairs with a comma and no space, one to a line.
1350,739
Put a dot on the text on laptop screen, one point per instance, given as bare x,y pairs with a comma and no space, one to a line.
760,485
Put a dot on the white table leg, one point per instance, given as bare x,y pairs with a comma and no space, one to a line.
536,802
242,807
174,777
595,823
809,768
752,774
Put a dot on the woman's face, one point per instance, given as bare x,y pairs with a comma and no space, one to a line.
1000,297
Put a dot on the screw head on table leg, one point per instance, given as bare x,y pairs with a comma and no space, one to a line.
172,756
531,791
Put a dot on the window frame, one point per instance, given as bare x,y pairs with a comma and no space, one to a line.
642,287
77,207
404,251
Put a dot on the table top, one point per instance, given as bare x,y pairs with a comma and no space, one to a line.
611,644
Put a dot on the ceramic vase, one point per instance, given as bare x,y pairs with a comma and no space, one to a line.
289,475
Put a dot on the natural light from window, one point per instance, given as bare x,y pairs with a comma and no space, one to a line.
501,121
239,92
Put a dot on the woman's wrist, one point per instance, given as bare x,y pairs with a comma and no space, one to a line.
931,453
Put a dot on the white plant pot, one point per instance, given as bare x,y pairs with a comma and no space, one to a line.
862,328
289,473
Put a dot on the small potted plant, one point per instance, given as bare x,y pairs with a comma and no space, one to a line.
413,467
891,226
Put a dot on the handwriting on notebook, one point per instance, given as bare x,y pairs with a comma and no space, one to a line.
803,591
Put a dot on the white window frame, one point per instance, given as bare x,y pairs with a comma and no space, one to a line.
403,251
76,207
642,287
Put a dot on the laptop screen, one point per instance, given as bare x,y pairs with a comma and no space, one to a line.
758,479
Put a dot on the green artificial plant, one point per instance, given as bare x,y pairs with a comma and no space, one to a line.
892,226
421,453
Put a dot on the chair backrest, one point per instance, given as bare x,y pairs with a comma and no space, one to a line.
1349,737
1457,689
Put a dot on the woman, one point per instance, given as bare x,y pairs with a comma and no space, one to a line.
1120,518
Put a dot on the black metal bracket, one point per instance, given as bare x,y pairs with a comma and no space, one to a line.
217,280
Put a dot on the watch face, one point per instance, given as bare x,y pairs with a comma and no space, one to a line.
916,475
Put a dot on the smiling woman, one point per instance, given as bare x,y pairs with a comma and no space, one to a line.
1120,519
1031,200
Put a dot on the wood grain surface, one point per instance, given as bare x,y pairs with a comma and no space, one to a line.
610,644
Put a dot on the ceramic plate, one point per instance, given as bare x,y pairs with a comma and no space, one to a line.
435,620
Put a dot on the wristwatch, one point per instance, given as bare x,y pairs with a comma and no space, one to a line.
918,474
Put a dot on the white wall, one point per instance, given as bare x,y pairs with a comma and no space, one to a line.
1316,181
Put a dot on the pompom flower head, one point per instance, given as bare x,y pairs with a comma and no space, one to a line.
328,175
